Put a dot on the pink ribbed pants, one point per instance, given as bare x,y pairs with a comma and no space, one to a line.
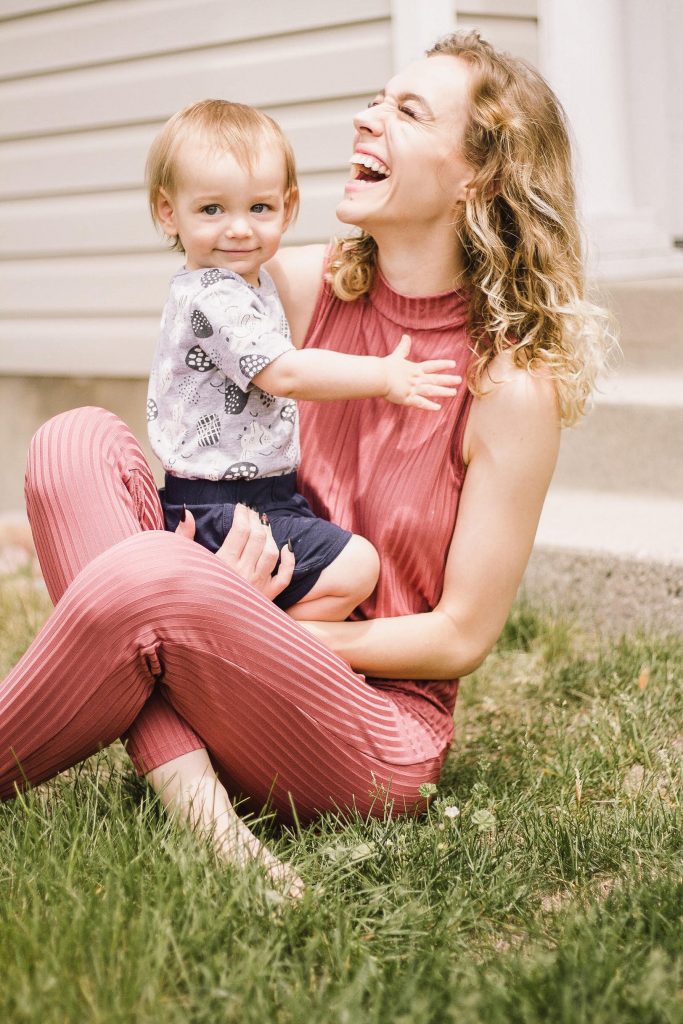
155,639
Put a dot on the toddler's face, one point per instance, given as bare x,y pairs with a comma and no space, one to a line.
225,215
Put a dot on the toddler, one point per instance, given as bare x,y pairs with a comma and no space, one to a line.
221,411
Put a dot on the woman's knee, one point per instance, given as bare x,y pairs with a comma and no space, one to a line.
152,573
61,442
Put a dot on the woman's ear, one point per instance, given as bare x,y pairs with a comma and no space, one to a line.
165,214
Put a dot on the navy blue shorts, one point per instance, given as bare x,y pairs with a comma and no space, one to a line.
316,542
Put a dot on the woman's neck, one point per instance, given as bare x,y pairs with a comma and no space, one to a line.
422,265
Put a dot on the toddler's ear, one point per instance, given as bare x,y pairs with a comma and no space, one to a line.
165,214
291,205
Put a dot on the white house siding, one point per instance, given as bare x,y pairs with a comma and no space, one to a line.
674,92
510,25
83,89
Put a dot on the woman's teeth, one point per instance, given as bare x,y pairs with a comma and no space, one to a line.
370,163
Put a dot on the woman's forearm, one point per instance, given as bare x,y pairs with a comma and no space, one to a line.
430,645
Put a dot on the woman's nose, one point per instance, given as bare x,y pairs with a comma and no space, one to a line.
369,119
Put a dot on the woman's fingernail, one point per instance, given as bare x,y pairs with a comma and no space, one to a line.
183,514
264,519
289,544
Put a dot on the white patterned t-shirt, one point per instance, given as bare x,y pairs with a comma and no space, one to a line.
206,418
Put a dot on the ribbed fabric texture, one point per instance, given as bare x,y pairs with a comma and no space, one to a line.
155,635
388,472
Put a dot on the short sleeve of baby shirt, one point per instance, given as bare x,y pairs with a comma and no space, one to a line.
235,328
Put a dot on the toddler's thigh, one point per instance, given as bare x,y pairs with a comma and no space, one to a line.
317,543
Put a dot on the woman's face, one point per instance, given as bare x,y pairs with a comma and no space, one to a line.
407,167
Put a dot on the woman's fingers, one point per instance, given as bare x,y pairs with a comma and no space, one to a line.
236,538
250,550
185,527
254,557
285,570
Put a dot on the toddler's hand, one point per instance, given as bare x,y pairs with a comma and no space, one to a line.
417,384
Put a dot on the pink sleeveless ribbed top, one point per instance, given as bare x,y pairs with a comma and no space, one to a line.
388,472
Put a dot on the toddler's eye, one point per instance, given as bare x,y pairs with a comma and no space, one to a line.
260,208
212,209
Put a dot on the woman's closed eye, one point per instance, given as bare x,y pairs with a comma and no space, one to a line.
403,108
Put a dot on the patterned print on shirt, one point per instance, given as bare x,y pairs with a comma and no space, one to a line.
241,471
265,399
188,390
235,399
210,277
257,440
200,325
197,359
208,430
252,364
288,412
152,410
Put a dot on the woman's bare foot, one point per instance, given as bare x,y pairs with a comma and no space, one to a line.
238,845
190,790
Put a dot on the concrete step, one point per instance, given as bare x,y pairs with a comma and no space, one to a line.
604,593
631,441
649,313
637,527
613,562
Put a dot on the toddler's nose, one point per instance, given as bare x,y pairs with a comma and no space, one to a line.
239,228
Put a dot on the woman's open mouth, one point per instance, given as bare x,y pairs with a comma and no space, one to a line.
368,168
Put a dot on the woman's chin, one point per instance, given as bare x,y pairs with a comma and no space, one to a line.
349,212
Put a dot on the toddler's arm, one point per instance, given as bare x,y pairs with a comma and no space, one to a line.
245,343
324,375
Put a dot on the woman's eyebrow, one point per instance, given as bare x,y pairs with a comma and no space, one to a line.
401,97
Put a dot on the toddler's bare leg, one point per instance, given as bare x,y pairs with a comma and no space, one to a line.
342,585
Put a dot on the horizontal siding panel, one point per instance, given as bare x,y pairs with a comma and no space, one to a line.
114,158
119,221
121,347
518,36
100,286
121,30
271,72
497,8
17,8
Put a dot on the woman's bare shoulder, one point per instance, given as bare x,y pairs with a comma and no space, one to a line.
297,272
513,401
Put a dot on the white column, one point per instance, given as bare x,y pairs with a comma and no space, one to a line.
416,25
582,46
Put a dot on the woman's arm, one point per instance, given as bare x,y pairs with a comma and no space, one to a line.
511,446
297,271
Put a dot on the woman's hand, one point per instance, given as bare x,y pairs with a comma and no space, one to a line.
417,384
250,551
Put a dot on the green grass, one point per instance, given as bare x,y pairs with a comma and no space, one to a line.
554,895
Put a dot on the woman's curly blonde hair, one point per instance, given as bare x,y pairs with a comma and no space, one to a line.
518,229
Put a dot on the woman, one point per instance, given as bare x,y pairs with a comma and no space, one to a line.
461,186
